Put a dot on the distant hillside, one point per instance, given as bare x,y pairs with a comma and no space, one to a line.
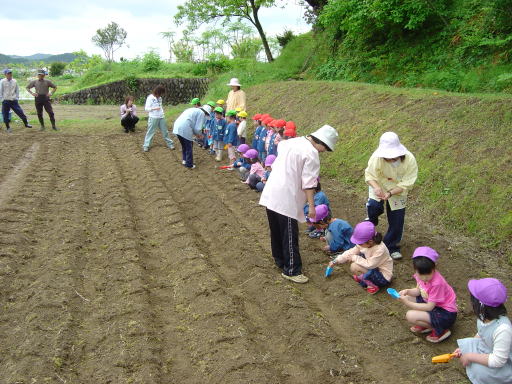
47,58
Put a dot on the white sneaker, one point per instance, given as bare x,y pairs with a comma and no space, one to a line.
171,147
300,279
183,162
396,255
145,149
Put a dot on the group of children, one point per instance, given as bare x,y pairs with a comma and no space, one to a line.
431,304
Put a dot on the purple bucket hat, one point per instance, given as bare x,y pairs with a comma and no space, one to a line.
269,160
489,291
321,211
427,252
363,232
251,154
242,148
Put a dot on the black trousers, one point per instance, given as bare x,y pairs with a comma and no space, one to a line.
128,122
43,101
284,240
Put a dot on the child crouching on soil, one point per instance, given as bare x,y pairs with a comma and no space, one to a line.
488,356
257,171
319,198
372,266
242,164
268,168
337,232
433,303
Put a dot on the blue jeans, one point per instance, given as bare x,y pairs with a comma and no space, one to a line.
153,123
7,105
396,221
186,149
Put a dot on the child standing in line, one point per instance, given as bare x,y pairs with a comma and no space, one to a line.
337,232
195,102
156,118
433,303
290,130
268,168
241,163
275,138
218,133
319,198
257,171
257,127
371,267
230,135
208,125
220,104
262,152
488,356
242,127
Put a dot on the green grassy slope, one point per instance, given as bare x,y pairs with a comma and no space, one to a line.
462,144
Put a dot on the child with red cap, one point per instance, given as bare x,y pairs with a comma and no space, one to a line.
290,130
257,128
275,138
433,303
372,267
488,356
260,145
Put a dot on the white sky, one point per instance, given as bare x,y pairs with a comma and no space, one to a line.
60,26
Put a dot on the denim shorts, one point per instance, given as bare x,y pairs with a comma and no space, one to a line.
440,318
376,277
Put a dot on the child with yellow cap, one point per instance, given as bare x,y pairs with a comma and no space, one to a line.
242,127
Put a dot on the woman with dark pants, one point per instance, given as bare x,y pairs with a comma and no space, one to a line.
391,173
189,124
129,115
294,178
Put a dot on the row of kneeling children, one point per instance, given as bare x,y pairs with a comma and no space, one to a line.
431,303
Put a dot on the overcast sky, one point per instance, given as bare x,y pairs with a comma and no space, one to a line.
59,26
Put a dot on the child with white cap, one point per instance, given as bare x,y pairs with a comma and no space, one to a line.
371,266
294,177
433,303
391,173
488,356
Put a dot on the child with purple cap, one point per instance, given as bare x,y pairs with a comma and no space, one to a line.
433,303
372,266
257,170
241,163
319,198
488,356
268,169
337,231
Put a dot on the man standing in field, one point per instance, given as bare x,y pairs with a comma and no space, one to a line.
9,95
42,97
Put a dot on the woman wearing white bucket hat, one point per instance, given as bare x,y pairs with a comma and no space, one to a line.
391,173
294,178
236,97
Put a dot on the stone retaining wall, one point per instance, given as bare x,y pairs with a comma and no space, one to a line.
178,91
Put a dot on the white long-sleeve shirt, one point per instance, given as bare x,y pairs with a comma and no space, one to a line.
154,102
9,90
502,338
242,129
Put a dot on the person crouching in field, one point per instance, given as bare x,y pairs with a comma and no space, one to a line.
242,164
268,169
156,118
372,266
129,116
257,171
488,356
433,303
337,231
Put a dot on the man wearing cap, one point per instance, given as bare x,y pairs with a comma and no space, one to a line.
42,97
294,178
188,124
236,97
9,95
391,173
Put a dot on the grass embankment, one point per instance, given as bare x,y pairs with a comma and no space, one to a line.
461,142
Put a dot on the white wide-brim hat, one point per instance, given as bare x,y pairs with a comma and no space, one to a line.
234,82
207,109
389,146
327,135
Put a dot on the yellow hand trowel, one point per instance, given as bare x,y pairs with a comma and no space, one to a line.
444,358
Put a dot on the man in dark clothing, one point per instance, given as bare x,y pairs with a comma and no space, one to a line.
42,97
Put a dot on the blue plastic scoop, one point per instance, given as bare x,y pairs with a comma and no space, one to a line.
328,271
393,293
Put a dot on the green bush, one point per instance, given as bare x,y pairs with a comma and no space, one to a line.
151,62
57,69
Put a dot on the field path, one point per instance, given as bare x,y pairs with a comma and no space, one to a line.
118,266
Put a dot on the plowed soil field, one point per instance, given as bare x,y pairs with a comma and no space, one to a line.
118,266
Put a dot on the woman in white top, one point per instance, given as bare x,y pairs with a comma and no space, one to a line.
156,118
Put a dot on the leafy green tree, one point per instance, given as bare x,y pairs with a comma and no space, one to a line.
248,48
204,11
169,35
183,50
110,39
151,61
57,68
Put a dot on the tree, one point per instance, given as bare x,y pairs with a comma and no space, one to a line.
110,39
57,68
203,11
170,40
